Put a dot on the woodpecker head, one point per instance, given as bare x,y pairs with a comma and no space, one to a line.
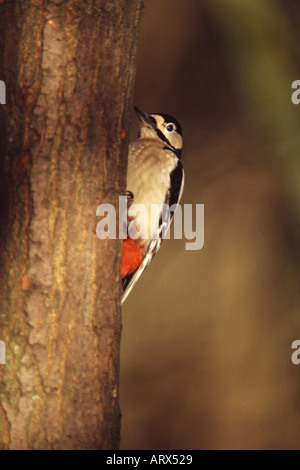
163,127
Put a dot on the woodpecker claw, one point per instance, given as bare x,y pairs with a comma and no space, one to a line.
130,197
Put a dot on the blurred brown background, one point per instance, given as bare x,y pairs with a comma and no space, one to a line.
206,346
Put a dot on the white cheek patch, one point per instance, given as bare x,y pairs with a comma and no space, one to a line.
176,141
174,138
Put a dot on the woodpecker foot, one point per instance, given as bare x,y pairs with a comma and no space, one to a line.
130,197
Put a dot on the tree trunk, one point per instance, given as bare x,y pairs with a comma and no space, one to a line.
68,69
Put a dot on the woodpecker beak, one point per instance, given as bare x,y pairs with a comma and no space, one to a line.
146,120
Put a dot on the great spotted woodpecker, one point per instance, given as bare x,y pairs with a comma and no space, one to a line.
155,176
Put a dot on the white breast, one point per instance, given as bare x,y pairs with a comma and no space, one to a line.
148,178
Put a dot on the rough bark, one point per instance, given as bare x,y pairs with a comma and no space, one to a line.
68,68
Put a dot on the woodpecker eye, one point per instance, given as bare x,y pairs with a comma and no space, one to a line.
170,127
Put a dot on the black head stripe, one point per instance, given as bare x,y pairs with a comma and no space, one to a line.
168,146
162,136
174,150
153,120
